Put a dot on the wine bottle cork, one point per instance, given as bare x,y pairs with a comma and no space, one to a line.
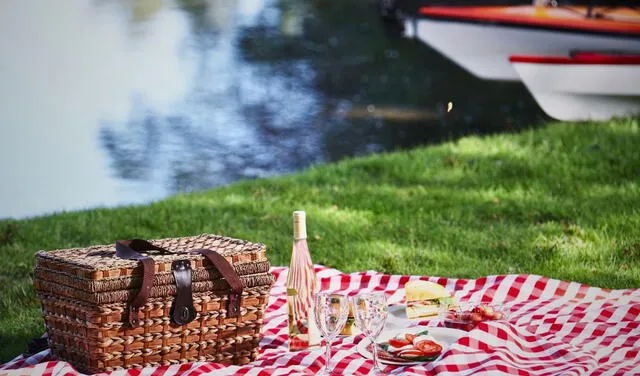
299,225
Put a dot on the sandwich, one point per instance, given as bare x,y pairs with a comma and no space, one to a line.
424,298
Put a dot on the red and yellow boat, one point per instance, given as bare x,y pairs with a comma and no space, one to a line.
481,38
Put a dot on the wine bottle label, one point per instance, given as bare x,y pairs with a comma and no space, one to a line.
303,331
314,332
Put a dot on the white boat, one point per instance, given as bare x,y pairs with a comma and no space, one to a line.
481,39
584,86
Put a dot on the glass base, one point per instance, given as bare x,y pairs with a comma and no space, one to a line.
336,373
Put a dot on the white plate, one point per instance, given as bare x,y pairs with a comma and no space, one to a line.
398,317
443,336
398,312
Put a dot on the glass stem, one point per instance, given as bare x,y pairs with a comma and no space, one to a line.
374,348
328,356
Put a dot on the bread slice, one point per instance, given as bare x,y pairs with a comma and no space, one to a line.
419,309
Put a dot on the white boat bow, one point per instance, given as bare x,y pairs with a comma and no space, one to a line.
585,86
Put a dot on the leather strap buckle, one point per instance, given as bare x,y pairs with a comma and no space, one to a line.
182,311
134,320
233,308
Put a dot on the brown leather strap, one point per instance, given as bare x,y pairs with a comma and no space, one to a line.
230,275
131,250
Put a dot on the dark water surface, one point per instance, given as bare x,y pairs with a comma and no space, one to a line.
109,102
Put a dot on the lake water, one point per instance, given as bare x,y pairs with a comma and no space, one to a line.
111,102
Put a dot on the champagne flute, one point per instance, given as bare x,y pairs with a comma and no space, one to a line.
330,312
371,311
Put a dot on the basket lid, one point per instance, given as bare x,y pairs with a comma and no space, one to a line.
101,262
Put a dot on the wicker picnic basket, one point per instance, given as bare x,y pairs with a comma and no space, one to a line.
161,302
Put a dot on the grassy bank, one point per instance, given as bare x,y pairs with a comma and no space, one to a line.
561,201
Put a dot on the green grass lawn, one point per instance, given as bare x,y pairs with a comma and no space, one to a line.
561,201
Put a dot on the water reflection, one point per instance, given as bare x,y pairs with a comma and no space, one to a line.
140,99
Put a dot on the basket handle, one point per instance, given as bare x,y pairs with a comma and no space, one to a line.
131,250
230,275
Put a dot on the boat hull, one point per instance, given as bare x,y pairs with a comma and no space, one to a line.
484,49
574,92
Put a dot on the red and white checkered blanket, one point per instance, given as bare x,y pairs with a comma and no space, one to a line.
555,328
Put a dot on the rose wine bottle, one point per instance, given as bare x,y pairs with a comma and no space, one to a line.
302,284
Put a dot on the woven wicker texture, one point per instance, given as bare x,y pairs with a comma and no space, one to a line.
85,294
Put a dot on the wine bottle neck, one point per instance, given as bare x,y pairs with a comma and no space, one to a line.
299,225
